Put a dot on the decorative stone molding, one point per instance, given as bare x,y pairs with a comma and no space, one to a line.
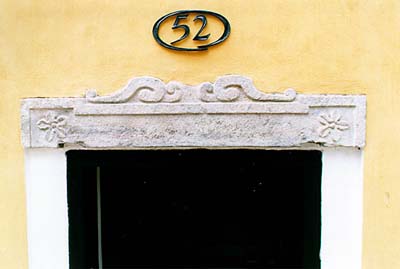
153,90
228,113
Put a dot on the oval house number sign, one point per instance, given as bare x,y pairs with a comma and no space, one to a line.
200,35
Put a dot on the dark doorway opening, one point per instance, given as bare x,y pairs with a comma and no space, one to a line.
194,209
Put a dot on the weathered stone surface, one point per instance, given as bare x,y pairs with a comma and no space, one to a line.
229,113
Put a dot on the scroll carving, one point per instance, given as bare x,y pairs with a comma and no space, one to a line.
147,89
229,89
225,89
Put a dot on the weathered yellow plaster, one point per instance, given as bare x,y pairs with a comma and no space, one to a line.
61,48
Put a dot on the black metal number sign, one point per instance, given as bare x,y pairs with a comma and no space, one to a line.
180,18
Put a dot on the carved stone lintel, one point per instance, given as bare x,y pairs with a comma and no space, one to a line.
228,113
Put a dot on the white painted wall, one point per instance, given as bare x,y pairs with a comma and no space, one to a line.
342,189
47,208
342,209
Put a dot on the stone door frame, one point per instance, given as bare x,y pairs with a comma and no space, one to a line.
229,113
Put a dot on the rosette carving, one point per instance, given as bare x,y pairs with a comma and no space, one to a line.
332,126
53,125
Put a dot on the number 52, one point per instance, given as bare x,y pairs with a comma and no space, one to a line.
180,17
198,36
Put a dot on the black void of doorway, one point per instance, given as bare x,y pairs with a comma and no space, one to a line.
195,209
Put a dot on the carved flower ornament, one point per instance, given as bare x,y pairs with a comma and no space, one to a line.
54,125
332,125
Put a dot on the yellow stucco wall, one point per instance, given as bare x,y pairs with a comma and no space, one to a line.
61,48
